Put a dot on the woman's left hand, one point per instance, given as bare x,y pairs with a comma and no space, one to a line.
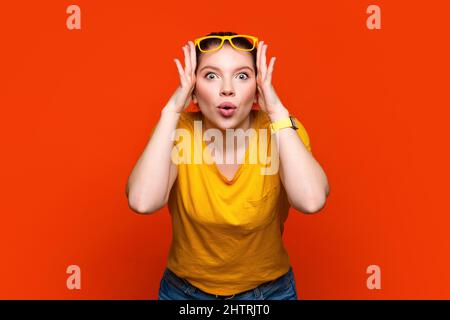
267,97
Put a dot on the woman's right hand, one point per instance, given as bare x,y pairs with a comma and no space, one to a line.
181,98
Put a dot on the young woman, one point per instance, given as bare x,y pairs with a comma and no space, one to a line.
227,216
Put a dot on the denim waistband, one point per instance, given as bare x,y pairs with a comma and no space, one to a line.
181,283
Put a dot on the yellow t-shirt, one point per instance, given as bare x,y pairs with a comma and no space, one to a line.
227,234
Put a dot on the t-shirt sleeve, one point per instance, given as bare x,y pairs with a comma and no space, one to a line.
303,134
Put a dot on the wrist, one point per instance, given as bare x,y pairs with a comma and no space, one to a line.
274,116
171,109
170,112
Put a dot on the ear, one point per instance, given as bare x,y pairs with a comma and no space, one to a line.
194,98
255,99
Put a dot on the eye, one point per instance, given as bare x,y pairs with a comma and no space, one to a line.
206,76
246,75
242,73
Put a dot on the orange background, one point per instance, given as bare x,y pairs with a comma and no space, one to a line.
77,107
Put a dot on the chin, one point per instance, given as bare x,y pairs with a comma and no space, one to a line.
232,122
226,123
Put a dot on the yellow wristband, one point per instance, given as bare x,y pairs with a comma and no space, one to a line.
283,123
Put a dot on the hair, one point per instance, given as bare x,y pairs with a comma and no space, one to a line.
242,42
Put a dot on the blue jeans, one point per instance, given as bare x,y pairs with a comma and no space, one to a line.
173,287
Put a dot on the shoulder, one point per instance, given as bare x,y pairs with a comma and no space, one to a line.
187,119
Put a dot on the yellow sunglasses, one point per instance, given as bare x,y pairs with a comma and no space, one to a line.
239,42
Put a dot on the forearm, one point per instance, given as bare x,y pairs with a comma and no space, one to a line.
147,184
304,179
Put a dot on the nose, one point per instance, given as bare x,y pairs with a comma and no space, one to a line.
226,91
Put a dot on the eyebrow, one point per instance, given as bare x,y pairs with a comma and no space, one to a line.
218,69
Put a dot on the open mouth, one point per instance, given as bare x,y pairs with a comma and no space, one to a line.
227,105
227,109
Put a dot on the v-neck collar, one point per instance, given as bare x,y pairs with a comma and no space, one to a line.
212,164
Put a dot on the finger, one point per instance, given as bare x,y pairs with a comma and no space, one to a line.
263,61
189,52
270,69
187,62
258,54
179,67
193,56
180,70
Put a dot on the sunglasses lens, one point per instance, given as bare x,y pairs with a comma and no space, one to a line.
243,42
209,44
240,42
